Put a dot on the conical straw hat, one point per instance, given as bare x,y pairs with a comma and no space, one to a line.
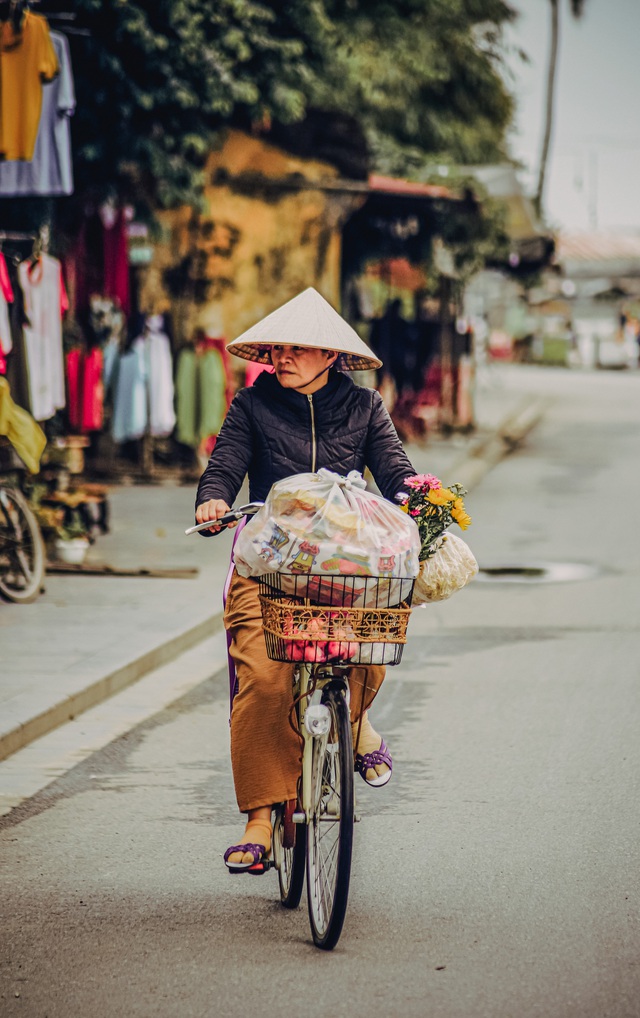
306,320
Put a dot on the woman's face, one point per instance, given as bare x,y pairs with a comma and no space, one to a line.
301,367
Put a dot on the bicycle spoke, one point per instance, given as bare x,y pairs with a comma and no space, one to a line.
328,870
331,858
21,553
23,561
328,829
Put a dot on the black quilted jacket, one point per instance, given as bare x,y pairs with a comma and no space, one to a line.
271,432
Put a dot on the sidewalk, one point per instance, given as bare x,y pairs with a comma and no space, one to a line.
87,637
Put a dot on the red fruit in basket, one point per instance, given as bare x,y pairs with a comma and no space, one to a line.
315,653
294,649
341,650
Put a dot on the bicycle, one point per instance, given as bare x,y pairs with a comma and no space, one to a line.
356,621
22,561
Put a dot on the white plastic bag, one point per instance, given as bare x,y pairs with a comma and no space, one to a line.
451,568
327,524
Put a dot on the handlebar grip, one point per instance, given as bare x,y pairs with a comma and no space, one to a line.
230,517
224,521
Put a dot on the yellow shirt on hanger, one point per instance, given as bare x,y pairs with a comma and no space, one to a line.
26,61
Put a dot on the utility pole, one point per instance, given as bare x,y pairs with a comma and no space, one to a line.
593,190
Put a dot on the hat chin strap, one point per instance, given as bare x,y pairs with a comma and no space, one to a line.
312,380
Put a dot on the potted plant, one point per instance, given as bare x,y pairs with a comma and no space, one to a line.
72,543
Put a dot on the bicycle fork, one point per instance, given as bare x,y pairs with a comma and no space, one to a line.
315,725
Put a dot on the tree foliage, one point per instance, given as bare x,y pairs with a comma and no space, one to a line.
156,80
424,77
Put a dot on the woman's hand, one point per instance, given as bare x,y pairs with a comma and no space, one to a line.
213,510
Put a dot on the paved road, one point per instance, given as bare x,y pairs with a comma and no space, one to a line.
497,876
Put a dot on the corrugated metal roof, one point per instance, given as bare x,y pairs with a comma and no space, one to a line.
597,247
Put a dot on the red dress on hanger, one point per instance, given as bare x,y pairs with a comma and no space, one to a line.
86,390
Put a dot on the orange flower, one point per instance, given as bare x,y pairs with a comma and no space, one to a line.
440,496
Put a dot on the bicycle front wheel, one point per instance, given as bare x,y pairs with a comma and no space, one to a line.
330,830
21,549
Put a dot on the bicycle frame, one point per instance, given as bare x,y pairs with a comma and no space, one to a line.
310,680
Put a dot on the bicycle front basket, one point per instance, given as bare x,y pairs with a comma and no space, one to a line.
346,619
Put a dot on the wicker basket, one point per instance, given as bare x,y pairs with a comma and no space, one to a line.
330,626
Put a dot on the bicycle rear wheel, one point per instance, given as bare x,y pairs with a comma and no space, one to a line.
21,549
289,848
330,831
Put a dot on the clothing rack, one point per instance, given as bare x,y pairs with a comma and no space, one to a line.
39,239
17,235
43,234
59,20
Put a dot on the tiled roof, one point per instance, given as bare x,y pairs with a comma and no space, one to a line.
410,188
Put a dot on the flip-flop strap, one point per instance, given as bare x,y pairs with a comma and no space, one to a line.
366,761
257,851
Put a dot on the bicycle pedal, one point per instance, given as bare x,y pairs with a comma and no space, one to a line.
261,867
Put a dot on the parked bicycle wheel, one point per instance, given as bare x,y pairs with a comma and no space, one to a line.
289,849
21,549
330,832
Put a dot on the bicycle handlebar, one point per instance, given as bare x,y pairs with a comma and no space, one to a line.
231,517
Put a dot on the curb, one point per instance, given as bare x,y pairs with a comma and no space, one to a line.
472,469
57,713
504,440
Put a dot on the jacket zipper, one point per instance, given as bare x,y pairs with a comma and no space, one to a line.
313,434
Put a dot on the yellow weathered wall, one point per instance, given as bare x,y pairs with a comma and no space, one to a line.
247,253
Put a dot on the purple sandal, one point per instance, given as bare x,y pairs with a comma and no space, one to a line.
257,851
364,762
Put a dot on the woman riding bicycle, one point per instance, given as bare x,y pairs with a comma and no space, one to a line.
306,415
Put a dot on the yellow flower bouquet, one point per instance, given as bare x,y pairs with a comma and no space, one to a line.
446,563
433,509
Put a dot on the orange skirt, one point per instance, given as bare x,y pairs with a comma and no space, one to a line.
265,751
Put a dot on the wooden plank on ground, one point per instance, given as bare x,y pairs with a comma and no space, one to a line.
104,569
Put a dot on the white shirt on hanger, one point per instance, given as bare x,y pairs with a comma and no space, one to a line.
42,289
162,418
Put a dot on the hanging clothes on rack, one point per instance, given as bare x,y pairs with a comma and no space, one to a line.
17,370
116,257
201,403
162,418
254,369
86,389
27,438
45,302
219,343
27,60
50,170
144,389
6,298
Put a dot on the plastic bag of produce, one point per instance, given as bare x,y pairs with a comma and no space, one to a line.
449,569
325,524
